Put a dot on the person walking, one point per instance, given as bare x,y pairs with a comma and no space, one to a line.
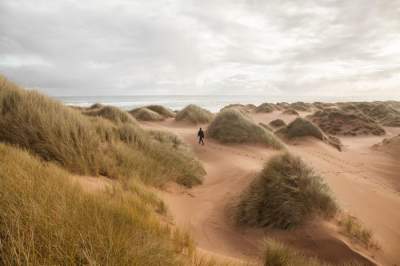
200,134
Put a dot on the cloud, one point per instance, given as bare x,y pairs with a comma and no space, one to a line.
281,48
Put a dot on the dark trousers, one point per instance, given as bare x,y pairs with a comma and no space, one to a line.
201,140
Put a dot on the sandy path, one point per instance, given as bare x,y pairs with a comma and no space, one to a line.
203,210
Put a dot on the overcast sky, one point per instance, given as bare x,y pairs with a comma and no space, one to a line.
312,48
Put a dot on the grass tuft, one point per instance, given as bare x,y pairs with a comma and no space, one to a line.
194,114
111,113
145,114
161,110
352,228
277,123
290,111
284,195
265,108
301,127
231,126
278,254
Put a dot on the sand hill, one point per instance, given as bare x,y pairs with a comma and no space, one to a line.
337,122
390,146
194,114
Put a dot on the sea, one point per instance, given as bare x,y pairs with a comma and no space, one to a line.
212,103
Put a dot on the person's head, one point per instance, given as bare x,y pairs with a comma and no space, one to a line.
200,129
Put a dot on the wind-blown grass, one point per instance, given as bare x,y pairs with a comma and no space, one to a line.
265,108
111,113
277,123
161,110
301,127
194,114
284,195
231,126
107,142
355,230
46,220
145,114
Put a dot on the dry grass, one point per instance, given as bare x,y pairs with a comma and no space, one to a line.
265,108
46,220
161,110
279,254
145,114
338,122
352,228
48,128
194,114
231,126
277,123
301,106
284,195
290,111
301,127
111,113
244,109
108,142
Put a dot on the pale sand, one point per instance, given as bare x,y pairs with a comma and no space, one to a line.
204,210
365,183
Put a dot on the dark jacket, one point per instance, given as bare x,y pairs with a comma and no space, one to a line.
200,134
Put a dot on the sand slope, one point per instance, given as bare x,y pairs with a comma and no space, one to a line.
204,210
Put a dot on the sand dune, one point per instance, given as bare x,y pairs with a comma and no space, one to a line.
361,186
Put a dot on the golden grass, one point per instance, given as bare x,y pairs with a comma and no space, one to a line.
231,126
48,128
145,114
194,114
277,123
161,110
301,127
111,113
107,142
279,254
290,111
338,122
47,220
265,108
285,194
351,227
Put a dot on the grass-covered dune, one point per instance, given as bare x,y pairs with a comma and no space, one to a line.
290,111
245,109
301,127
194,114
384,113
301,106
277,123
47,220
111,113
161,110
265,108
145,114
285,194
231,126
338,122
390,146
101,141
